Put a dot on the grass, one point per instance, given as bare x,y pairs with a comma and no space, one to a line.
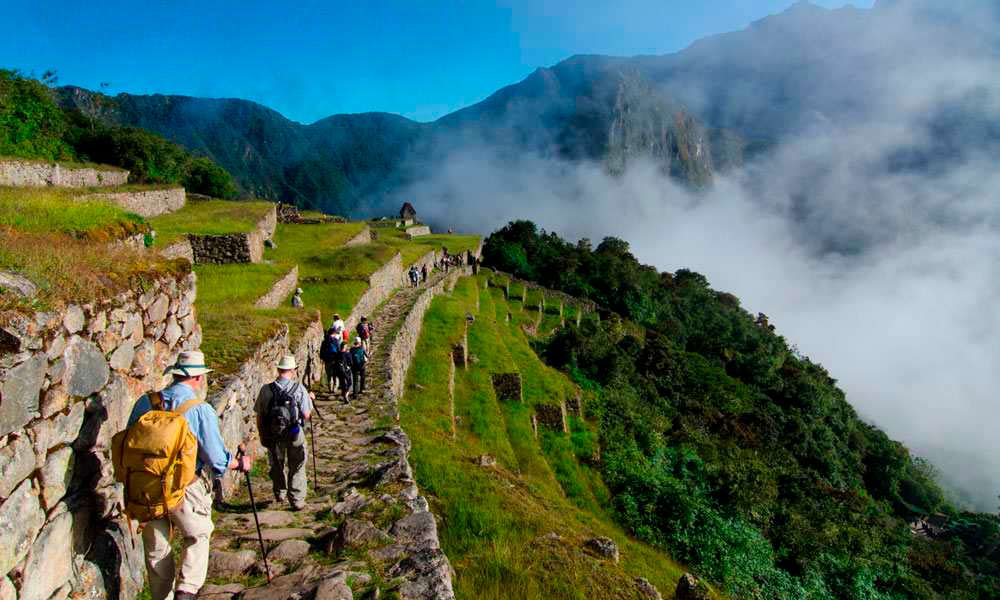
46,210
79,272
412,250
209,217
493,521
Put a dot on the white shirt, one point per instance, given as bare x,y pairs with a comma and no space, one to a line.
338,326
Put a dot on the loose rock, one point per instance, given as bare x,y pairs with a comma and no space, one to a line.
289,550
689,588
647,590
603,547
230,564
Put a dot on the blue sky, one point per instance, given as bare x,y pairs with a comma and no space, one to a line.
310,59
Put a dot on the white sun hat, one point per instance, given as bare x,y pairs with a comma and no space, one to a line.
189,364
287,363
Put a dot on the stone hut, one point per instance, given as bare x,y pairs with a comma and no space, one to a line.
407,211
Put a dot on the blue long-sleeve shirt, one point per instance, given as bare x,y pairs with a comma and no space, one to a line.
202,421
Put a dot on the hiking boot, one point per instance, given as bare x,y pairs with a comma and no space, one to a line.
297,505
278,498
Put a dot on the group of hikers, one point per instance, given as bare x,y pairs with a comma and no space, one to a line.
172,450
174,490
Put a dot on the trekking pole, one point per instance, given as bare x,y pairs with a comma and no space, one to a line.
312,440
253,506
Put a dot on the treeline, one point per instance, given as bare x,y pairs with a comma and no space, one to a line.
33,126
722,444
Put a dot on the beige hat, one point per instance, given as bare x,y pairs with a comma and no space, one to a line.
287,363
189,364
357,341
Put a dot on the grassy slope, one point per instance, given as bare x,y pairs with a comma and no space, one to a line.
419,246
494,520
46,210
209,217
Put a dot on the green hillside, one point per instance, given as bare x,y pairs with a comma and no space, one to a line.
723,445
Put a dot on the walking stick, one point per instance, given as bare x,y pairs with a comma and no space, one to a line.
312,440
253,506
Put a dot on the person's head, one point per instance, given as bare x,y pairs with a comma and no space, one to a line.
286,367
344,347
336,317
298,291
364,319
190,370
331,332
357,341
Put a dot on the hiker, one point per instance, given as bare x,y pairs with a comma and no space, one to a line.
188,509
423,272
413,276
338,324
329,353
297,299
365,333
345,376
282,408
359,358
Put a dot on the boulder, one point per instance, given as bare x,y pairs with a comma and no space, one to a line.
228,565
50,563
19,394
118,554
55,476
121,359
603,547
17,461
689,588
647,591
418,530
355,533
334,588
86,370
18,284
289,551
427,575
21,518
74,319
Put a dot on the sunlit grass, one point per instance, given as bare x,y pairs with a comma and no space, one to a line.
209,217
42,210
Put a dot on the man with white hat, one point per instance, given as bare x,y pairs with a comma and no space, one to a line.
282,408
297,299
193,517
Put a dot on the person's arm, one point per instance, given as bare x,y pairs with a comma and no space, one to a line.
211,448
305,402
142,406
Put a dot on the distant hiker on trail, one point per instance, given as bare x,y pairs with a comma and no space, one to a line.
329,353
365,330
344,375
297,299
359,358
423,272
282,408
174,422
414,276
338,324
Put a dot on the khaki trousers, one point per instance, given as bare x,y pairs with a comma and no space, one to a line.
193,521
290,455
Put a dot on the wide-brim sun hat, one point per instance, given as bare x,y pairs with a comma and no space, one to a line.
287,363
190,363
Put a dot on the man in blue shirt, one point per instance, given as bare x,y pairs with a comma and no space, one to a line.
193,517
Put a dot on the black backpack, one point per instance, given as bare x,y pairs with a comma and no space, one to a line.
281,420
329,348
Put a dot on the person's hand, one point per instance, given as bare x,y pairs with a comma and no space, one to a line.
243,463
312,395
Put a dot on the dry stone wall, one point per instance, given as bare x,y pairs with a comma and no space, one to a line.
39,174
234,247
281,290
68,382
381,284
179,249
417,231
365,236
145,203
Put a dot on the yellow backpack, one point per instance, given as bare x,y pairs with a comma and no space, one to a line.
155,459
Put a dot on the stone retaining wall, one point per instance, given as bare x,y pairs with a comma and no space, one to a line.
381,284
417,231
68,382
365,236
552,416
24,173
405,344
280,291
179,249
146,203
234,247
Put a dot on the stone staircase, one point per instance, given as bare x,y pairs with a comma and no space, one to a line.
366,532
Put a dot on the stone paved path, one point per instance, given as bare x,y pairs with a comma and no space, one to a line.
365,532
